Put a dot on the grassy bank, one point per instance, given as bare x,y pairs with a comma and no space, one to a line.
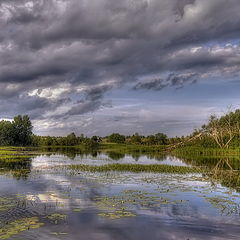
119,150
207,152
14,153
188,150
131,147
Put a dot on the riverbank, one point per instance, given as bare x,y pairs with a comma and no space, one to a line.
207,152
8,152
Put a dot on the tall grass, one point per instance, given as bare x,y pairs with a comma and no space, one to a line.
136,168
211,152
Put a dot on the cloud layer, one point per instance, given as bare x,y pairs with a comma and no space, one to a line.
59,58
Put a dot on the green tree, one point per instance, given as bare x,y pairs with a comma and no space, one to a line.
161,138
135,139
22,130
6,133
71,139
116,138
89,143
96,139
223,130
150,140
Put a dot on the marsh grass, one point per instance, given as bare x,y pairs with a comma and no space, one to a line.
13,154
20,152
136,168
206,152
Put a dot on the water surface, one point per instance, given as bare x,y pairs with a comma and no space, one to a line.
50,201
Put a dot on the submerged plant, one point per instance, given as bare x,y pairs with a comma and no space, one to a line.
77,210
18,226
225,205
57,217
6,203
58,233
127,202
117,214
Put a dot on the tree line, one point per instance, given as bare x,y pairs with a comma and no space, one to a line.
17,132
70,140
157,139
218,132
73,140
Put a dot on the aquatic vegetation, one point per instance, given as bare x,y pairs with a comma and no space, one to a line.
155,168
117,214
227,178
113,207
6,203
77,210
59,233
57,217
114,192
224,204
13,153
18,174
18,226
14,162
192,151
127,202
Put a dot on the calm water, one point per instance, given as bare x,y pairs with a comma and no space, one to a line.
65,204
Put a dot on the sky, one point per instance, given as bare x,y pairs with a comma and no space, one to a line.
103,66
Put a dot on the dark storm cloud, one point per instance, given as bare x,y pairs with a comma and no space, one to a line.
92,101
86,48
176,80
84,107
97,93
33,106
180,5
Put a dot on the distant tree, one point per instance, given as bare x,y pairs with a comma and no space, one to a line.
116,138
71,139
81,137
36,140
6,133
22,130
96,139
135,139
150,140
48,141
89,143
62,141
161,138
